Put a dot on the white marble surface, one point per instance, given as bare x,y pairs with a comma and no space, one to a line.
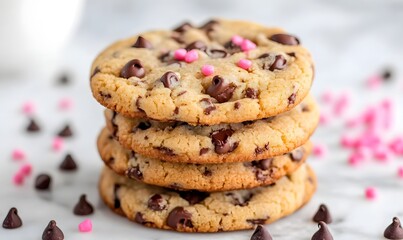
349,41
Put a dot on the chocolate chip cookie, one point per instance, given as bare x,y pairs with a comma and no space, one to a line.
254,72
206,178
238,142
194,211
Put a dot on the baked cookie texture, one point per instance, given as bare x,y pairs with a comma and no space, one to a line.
205,178
206,212
139,77
223,143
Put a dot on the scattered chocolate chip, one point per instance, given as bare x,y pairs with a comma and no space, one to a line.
116,200
231,47
394,230
12,219
217,53
68,164
257,221
144,125
183,27
220,89
251,93
42,182
65,132
221,142
387,74
64,79
133,68
203,151
291,54
179,217
199,45
83,207
323,233
291,99
323,215
209,26
207,172
261,234
157,203
285,39
297,154
165,150
169,79
237,105
52,232
194,197
96,70
142,43
135,173
33,126
208,105
279,63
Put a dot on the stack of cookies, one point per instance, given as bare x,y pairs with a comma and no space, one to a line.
207,128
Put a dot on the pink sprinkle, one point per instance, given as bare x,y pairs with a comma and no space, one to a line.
244,64
247,45
355,159
207,70
180,54
18,154
324,118
327,97
368,139
85,226
371,193
382,153
26,169
320,150
396,146
237,40
18,179
374,82
191,56
342,104
400,172
387,116
57,144
354,122
65,104
28,108
348,141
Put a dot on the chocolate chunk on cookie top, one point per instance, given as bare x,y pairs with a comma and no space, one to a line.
258,72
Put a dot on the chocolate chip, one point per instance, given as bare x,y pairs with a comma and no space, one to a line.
285,39
220,89
323,233
178,37
96,70
260,175
135,173
105,96
261,234
65,132
165,57
83,207
231,47
42,182
181,93
221,142
217,53
12,219
209,26
208,105
64,79
297,154
291,54
194,197
169,79
133,68
291,99
179,218
260,150
199,45
322,214
52,232
251,93
144,125
157,203
68,164
264,164
139,218
203,151
142,43
305,108
237,105
176,110
238,199
175,186
257,221
183,27
33,126
165,150
138,104
279,63
207,172
116,200
394,230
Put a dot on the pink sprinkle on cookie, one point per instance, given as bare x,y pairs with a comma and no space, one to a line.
85,226
65,104
180,54
191,56
18,179
247,45
400,172
244,64
28,108
57,144
374,82
18,154
26,169
319,150
207,70
237,40
371,193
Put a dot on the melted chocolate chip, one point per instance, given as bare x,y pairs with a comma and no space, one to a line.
139,218
52,232
105,96
42,182
165,150
323,233
221,142
138,104
209,26
297,154
183,27
199,45
394,230
237,105
12,219
207,172
260,175
169,79
279,63
83,207
142,43
68,164
203,151
257,221
165,57
260,150
116,200
251,93
144,125
181,93
221,89
285,39
96,70
291,54
231,47
133,68
323,215
217,53
176,110
179,218
157,203
239,200
135,173
291,99
208,105
65,132
261,234
33,126
194,197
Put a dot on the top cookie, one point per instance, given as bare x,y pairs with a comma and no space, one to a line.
258,72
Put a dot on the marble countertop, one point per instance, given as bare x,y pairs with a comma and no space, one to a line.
350,40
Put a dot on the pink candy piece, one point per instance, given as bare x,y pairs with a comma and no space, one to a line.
180,54
244,64
400,172
28,108
371,193
26,169
368,139
18,179
324,118
341,104
247,45
207,70
374,82
18,154
359,156
396,146
327,97
382,153
85,226
387,116
319,150
348,141
57,144
237,40
191,56
65,104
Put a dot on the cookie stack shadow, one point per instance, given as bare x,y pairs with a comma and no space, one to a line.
224,158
